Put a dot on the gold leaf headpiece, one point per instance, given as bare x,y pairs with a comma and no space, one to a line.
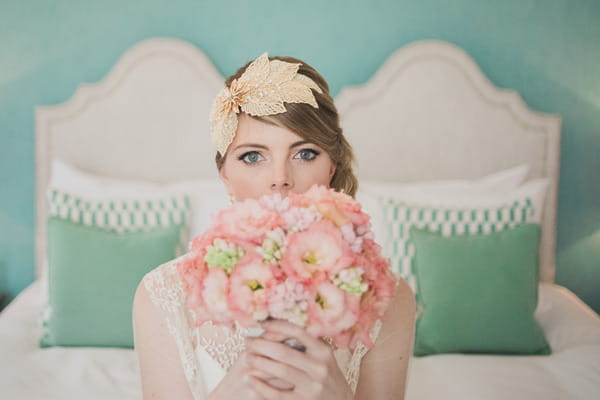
260,90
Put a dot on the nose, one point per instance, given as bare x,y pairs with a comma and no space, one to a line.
282,179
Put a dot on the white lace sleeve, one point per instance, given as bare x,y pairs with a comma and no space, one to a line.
167,293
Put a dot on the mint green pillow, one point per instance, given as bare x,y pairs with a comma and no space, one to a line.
400,217
478,292
92,277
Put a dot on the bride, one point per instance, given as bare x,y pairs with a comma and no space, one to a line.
276,130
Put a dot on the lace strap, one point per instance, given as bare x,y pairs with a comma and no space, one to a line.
166,291
352,372
224,345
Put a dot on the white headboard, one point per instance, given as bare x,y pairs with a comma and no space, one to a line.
428,113
148,119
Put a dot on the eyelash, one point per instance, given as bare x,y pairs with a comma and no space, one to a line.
313,152
243,156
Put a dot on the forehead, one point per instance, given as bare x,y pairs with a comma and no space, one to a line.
251,130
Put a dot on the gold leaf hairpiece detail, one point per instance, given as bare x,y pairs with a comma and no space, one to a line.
260,90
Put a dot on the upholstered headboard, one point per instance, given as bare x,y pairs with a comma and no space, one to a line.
428,113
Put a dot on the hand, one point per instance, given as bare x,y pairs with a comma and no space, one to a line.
313,374
235,384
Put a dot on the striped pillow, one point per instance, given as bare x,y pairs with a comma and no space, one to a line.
400,217
124,215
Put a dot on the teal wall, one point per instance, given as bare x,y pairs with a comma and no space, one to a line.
547,50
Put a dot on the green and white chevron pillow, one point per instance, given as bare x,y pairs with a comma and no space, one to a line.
123,216
450,221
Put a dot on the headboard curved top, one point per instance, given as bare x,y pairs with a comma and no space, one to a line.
154,103
428,113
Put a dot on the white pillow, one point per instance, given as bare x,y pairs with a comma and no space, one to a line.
207,196
496,182
441,193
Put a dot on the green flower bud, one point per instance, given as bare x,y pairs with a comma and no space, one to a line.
223,254
350,281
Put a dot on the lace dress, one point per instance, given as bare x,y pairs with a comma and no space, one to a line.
207,352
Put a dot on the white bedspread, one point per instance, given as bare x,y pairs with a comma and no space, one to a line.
28,372
571,372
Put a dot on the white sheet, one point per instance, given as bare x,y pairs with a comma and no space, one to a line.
28,372
571,372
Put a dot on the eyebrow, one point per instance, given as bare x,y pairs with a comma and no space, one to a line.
262,146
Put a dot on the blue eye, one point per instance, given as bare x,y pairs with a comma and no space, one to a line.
251,157
307,154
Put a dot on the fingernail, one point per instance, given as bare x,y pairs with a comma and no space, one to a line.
255,331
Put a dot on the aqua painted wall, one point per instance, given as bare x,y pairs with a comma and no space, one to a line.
546,49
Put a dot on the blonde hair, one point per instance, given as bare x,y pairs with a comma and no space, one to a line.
320,126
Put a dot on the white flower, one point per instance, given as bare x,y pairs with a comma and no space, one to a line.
299,218
275,202
350,236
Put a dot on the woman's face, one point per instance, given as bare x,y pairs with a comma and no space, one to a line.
265,159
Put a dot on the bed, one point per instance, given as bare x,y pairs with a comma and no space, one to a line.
431,116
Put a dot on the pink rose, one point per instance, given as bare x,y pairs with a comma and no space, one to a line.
370,311
382,282
316,253
372,258
193,270
382,285
249,285
215,295
247,221
332,310
336,206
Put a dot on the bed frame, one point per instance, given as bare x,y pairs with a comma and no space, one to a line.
428,113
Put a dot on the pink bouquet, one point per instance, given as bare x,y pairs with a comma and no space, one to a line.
309,259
